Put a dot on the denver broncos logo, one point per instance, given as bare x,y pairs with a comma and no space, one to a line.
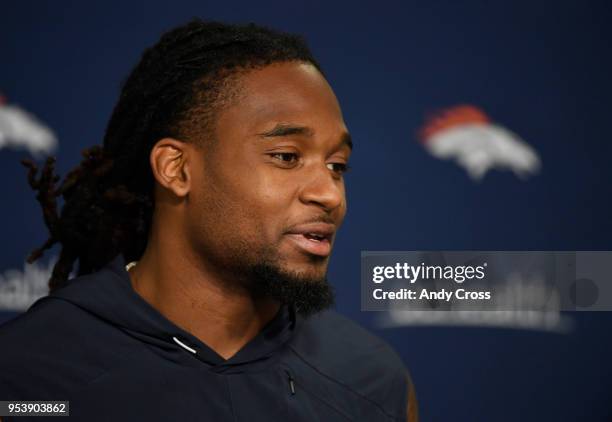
21,129
466,134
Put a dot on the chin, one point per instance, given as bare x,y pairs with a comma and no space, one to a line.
306,275
315,269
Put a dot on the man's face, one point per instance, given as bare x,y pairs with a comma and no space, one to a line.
270,189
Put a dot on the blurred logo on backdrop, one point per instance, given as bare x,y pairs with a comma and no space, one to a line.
20,129
466,134
21,288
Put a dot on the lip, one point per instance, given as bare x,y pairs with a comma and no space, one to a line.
315,247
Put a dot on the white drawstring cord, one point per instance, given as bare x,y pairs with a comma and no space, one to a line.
184,346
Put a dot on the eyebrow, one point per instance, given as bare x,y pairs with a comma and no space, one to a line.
285,129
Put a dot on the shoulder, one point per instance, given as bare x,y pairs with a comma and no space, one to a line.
54,323
344,351
50,348
47,318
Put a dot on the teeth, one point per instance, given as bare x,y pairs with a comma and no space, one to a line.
315,237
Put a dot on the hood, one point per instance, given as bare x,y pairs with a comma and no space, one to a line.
108,294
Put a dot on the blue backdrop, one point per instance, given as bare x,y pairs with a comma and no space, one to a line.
540,68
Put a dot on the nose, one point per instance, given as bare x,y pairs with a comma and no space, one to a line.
323,189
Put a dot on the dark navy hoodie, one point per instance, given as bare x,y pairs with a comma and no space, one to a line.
99,345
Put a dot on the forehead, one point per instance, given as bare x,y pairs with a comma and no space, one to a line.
292,92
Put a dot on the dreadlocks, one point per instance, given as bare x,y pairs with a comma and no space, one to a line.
176,90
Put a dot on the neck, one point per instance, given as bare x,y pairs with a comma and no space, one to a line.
192,296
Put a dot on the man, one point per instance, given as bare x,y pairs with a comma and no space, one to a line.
203,230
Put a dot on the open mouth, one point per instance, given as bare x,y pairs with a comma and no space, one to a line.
312,243
315,237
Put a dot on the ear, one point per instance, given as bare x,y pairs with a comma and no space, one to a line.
170,165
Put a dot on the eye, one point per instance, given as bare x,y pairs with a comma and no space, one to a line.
285,157
339,168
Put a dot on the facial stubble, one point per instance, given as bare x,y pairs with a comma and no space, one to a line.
265,276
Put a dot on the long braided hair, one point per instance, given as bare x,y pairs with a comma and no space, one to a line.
175,90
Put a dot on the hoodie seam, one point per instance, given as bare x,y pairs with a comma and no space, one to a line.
340,383
231,398
324,401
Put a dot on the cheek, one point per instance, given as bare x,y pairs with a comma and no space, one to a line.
344,206
249,209
269,206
